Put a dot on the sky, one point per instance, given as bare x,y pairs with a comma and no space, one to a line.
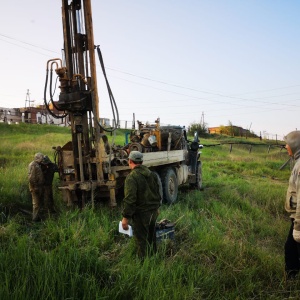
194,61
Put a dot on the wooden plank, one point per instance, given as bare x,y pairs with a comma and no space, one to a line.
164,157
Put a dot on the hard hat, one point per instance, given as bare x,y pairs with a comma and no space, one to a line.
136,156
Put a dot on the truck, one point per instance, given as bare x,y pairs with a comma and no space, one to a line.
90,167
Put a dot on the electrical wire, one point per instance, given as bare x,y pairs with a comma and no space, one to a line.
175,85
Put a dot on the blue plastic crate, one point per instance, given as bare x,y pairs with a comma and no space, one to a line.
165,233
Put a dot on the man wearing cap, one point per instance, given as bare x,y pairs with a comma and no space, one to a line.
49,169
36,181
292,206
141,202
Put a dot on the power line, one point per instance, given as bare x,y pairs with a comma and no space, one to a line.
26,43
202,91
161,81
256,100
211,99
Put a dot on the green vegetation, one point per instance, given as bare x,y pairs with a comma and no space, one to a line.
228,242
200,128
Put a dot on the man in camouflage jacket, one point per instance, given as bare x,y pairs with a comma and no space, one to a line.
141,202
292,206
36,181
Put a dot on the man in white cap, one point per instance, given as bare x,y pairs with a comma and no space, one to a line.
141,202
36,181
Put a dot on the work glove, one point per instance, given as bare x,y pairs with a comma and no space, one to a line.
296,235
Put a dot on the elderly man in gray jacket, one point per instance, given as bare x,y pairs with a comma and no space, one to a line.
36,181
292,206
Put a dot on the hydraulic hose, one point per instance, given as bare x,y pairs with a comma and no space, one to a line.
51,96
111,96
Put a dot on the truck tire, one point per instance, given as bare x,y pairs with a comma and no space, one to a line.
169,185
198,184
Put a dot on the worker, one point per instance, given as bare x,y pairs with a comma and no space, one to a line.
36,181
292,206
49,168
142,199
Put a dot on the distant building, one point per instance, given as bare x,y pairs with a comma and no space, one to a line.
105,122
40,115
10,115
216,130
230,130
33,115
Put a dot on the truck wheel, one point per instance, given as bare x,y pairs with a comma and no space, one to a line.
169,185
198,183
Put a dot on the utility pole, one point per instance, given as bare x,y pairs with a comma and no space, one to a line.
202,118
28,100
248,130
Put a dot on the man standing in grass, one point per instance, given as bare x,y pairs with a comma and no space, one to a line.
292,205
36,181
141,202
49,168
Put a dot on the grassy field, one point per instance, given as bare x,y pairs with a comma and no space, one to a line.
228,244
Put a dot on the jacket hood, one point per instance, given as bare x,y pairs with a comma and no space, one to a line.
143,170
38,157
293,140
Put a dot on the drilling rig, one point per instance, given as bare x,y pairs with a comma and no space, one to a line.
89,167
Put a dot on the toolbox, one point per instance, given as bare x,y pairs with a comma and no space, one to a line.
165,230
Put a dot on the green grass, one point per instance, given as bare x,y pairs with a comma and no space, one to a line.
228,244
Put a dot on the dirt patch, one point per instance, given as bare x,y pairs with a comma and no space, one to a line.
26,146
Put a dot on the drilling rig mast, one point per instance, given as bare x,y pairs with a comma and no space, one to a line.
84,158
89,167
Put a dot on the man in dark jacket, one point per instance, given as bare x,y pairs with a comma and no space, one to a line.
49,169
141,202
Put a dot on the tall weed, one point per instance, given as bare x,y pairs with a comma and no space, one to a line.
228,238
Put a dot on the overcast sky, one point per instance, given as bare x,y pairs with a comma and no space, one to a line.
216,61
